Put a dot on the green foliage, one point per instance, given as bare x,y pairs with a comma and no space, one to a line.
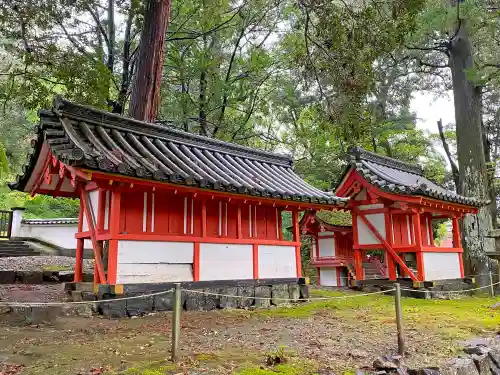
39,206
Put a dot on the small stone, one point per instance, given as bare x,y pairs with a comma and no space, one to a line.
495,306
383,364
358,354
476,350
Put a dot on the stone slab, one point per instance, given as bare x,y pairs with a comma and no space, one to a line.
29,277
228,302
7,276
280,295
265,293
248,292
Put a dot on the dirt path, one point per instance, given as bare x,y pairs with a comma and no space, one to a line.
212,341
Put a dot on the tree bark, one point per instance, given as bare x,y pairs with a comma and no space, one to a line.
145,98
473,180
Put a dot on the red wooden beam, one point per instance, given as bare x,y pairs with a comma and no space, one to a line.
103,180
196,262
96,245
388,247
255,257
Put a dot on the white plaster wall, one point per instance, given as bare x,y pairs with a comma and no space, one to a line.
154,261
326,247
139,252
325,234
225,261
277,261
328,276
62,235
439,266
365,235
153,273
94,204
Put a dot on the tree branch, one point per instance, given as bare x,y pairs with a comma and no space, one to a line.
454,168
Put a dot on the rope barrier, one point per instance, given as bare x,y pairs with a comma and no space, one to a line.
289,299
28,304
347,296
453,291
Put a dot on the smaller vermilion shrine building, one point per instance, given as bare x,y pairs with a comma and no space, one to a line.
162,205
393,206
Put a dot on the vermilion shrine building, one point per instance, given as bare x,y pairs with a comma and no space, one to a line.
392,206
162,205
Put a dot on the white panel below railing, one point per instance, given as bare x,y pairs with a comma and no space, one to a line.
277,261
153,273
440,266
155,252
225,261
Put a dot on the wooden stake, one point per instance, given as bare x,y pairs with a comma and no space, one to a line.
492,288
176,321
399,319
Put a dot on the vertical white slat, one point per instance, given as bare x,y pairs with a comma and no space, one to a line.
255,219
250,219
106,210
153,211
225,220
192,216
220,218
185,215
145,212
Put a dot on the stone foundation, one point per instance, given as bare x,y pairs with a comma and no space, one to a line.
275,291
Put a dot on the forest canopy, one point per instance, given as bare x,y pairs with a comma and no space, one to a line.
301,77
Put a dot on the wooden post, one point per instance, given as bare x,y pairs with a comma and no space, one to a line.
176,322
79,261
492,288
399,319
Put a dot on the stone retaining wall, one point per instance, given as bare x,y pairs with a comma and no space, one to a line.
279,292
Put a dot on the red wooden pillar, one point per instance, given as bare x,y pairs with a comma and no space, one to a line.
391,266
418,247
296,238
255,256
358,265
457,243
114,230
79,248
196,262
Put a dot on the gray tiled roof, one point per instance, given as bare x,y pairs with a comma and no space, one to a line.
60,221
399,177
86,137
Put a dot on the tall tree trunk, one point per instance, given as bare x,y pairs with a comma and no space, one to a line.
490,172
473,180
145,98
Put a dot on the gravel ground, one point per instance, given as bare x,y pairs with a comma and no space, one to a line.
40,262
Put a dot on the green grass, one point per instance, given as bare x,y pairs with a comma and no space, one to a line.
457,318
